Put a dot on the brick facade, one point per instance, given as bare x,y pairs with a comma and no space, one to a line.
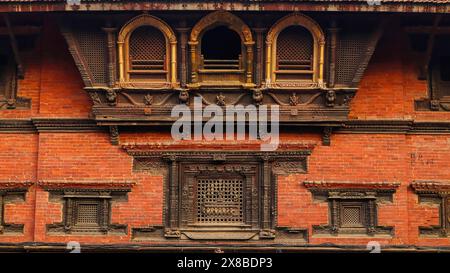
387,92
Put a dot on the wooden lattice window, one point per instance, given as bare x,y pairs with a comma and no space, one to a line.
295,53
221,52
147,49
219,201
295,49
147,55
353,215
352,211
86,211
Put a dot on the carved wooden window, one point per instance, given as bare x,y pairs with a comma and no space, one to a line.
221,50
219,200
147,54
221,47
220,196
295,53
440,73
86,211
353,215
351,211
295,48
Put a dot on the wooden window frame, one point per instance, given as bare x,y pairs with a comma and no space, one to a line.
318,35
170,59
243,77
71,198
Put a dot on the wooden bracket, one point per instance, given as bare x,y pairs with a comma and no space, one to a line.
114,134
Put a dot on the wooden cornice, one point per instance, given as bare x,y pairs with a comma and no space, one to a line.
428,186
14,185
35,125
318,185
106,185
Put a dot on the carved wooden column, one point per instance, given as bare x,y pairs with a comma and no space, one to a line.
265,210
111,40
194,61
259,55
333,32
172,221
444,214
249,74
183,31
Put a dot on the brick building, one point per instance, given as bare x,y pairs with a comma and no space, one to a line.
85,127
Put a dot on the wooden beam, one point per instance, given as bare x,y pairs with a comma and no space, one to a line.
21,30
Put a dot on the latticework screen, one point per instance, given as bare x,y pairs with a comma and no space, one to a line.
93,46
350,51
219,201
295,49
352,215
147,50
87,214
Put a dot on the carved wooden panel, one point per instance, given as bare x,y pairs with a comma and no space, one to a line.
351,211
220,195
86,211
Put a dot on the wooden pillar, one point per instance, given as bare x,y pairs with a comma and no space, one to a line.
259,55
111,40
333,32
183,54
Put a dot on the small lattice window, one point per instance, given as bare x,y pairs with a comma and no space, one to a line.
219,201
87,214
353,215
295,49
147,54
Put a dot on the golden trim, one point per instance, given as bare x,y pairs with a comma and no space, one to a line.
210,21
319,46
123,48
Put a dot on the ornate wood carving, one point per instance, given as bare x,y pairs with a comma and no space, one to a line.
123,48
352,206
86,210
114,134
318,49
198,78
219,195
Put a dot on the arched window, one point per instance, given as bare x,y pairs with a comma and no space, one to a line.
295,53
147,54
221,47
295,49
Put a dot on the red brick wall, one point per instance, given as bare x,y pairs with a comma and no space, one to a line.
387,91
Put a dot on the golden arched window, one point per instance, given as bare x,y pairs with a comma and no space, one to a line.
295,53
221,51
147,54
